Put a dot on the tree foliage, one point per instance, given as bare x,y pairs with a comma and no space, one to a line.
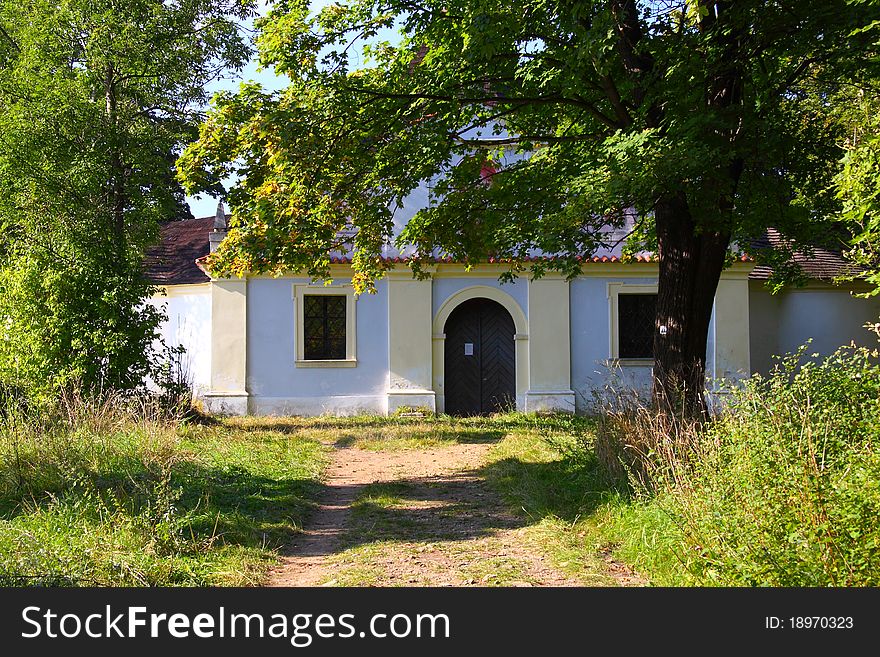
858,185
96,101
474,82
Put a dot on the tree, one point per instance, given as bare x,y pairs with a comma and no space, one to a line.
96,102
706,116
858,187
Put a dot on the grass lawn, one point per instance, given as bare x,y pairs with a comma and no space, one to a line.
141,503
144,503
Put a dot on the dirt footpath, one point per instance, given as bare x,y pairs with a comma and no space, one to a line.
443,526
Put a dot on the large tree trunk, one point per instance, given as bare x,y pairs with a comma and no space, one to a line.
690,268
690,261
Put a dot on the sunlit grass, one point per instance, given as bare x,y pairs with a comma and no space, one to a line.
122,500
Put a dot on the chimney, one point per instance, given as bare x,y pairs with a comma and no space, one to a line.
220,225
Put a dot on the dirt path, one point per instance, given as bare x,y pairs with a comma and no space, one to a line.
415,518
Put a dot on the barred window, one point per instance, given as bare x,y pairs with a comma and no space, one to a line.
635,325
324,325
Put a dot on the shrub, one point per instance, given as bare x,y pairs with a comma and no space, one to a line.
173,381
782,489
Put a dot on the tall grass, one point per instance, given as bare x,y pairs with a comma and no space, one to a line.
111,491
781,489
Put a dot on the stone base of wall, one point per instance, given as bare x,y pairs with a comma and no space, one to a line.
226,403
557,401
408,398
546,401
339,405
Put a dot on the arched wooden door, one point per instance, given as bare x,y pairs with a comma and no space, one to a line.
479,359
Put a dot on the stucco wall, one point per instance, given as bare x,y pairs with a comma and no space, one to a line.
276,385
829,316
188,323
763,326
591,341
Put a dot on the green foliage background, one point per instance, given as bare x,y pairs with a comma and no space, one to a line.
95,102
581,121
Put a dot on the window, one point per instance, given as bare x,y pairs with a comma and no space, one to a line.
632,308
635,322
325,326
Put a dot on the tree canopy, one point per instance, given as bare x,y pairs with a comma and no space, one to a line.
858,186
713,119
96,102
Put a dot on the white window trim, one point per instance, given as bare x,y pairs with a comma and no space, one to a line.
615,289
299,294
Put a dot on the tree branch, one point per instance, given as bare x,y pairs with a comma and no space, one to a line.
496,100
6,36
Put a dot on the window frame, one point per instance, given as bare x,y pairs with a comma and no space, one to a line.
615,289
347,291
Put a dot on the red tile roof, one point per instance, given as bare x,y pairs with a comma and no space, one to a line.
822,264
644,257
173,260
179,258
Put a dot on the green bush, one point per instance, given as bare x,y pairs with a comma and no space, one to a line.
782,489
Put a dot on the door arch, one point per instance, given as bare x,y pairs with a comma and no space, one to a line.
479,358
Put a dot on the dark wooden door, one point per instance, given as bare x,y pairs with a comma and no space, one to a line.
479,359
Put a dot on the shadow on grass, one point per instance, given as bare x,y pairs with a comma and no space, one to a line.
436,436
239,507
296,425
506,494
568,488
190,517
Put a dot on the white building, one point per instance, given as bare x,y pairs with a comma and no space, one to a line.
461,341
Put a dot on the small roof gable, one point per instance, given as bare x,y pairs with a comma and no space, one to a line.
173,260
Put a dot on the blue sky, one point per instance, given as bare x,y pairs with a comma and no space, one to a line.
204,206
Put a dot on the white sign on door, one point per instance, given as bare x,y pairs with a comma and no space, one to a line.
468,348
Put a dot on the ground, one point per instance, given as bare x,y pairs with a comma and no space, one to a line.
107,494
104,497
423,503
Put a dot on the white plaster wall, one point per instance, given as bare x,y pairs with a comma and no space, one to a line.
415,201
188,324
591,342
277,386
831,317
763,327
